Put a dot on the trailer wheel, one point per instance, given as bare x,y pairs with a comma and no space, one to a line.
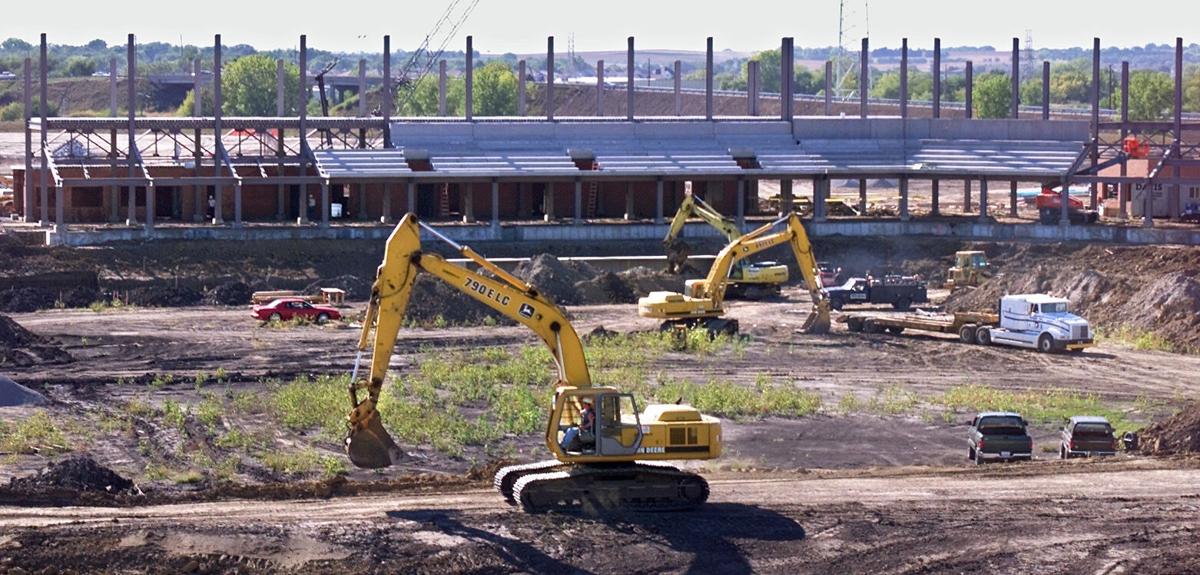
983,336
1046,343
966,333
854,324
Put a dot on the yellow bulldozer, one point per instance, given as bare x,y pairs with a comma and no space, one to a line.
606,454
969,269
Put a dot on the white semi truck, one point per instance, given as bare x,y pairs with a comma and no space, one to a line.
1037,321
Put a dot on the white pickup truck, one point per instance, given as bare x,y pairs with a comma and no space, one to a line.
1037,321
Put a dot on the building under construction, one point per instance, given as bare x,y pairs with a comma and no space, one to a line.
90,180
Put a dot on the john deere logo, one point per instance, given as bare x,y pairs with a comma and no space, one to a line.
525,310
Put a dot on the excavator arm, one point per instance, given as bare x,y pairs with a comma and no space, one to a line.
689,207
368,444
713,287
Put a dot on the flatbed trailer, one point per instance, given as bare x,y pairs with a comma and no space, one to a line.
963,324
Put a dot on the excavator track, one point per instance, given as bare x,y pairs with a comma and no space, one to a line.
508,475
610,488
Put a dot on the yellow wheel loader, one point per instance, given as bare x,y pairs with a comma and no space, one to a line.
702,305
618,457
752,280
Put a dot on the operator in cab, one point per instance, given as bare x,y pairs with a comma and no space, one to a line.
578,437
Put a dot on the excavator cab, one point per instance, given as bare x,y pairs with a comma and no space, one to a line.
617,428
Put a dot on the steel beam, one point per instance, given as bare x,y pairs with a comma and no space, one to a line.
969,91
470,80
27,187
937,77
44,69
864,77
599,88
550,78
787,79
520,88
904,78
1014,109
630,77
388,99
708,79
678,78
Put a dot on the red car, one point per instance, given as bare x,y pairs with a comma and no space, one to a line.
287,309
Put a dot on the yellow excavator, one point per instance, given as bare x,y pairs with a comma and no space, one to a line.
746,279
606,455
702,305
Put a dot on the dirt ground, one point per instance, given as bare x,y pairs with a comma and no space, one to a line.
829,492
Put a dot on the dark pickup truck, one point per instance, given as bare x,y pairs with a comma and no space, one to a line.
1087,436
998,436
900,291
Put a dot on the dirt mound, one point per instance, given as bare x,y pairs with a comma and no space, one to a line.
230,293
607,287
432,302
1179,433
643,280
25,299
165,296
355,287
13,393
20,347
1145,289
81,296
555,278
79,473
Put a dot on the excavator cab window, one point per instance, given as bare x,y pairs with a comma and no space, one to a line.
618,427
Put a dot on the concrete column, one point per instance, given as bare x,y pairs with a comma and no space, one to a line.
937,77
787,79
301,204
218,199
442,87
740,218
904,199
385,211
468,201
470,80
864,77
934,203
658,201
904,78
1123,189
821,187
786,199
281,110
599,87
43,175
131,68
1045,90
1095,155
495,204
983,199
411,189
629,215
862,195
1064,217
630,73
708,79
752,88
966,196
1014,109
550,78
1012,199
521,88
60,204
969,112
548,202
199,193
28,186
578,201
678,88
237,205
217,113
114,192
1175,192
324,204
828,88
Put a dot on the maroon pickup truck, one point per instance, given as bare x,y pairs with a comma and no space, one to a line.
1087,436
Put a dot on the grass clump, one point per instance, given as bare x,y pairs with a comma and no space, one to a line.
320,403
304,462
35,434
728,399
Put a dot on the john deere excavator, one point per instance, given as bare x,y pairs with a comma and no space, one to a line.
746,279
702,305
619,462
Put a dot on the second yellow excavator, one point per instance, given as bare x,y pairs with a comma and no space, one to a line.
607,456
752,280
702,305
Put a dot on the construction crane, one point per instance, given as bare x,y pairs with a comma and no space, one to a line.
600,443
702,305
747,279
423,59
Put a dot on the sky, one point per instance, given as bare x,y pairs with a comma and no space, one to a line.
522,26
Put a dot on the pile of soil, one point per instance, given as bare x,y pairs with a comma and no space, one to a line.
165,296
14,394
78,473
356,288
1179,433
81,296
20,347
432,299
229,293
556,279
25,299
1153,289
577,283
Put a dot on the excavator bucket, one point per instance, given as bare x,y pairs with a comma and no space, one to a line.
368,444
818,321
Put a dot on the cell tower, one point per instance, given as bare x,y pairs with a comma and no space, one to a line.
853,26
1027,59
